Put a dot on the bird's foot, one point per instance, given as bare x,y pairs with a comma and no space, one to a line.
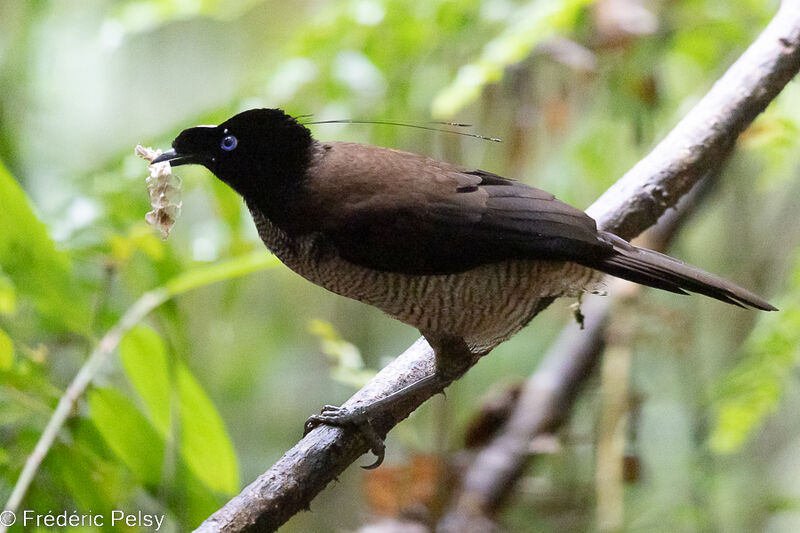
361,417
358,417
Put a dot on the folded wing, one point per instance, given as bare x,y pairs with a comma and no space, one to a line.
423,216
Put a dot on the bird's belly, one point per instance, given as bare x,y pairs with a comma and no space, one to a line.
484,305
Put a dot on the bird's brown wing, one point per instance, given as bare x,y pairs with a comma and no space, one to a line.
401,212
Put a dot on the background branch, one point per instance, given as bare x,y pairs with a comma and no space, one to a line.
695,146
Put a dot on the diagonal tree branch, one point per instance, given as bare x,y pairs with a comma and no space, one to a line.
695,146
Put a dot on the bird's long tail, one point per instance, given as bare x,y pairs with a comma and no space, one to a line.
663,272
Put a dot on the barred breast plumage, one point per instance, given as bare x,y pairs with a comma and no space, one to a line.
484,305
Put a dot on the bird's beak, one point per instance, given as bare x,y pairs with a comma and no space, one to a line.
175,159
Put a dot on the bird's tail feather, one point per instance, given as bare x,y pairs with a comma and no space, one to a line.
663,272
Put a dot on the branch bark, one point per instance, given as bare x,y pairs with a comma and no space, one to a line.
695,146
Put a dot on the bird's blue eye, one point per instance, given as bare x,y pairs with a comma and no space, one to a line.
229,143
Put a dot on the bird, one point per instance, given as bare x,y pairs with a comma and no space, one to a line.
461,254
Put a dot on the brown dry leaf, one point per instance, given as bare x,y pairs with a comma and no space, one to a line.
403,490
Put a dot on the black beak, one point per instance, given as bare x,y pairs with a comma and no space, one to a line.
175,158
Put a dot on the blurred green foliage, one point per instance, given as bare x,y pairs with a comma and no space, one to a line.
217,381
346,360
754,388
30,260
533,24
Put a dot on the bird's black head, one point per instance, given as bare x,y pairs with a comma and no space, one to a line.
254,152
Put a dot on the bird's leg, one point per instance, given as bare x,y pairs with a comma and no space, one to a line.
452,359
452,355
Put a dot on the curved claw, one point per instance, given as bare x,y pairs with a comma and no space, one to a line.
378,461
378,447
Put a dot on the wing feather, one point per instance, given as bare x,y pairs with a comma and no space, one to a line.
406,213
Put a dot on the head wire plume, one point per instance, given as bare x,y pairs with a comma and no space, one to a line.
408,124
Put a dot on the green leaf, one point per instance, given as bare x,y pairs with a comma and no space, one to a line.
6,351
92,478
348,365
29,258
205,445
128,433
8,296
140,237
190,500
534,23
145,361
238,266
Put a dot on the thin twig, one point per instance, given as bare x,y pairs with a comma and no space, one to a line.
696,145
